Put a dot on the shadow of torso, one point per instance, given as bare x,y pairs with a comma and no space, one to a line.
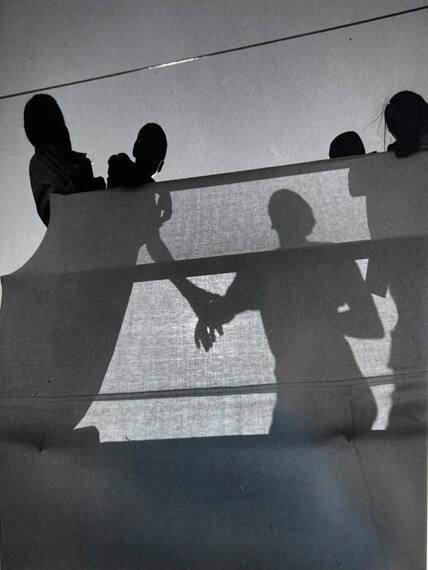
307,308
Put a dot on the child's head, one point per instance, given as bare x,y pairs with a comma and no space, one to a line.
150,148
406,117
44,123
346,144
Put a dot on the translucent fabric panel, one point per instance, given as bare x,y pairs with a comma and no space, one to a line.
284,249
346,200
113,422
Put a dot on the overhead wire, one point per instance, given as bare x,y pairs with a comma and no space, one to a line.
215,53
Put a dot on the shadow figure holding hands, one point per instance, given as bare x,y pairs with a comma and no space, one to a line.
307,307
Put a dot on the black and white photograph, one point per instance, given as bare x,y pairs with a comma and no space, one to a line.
214,284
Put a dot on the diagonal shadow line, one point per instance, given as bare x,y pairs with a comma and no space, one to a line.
324,253
247,389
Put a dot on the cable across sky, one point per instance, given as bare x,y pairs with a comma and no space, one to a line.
214,53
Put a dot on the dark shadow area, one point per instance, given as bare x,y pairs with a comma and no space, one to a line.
395,197
237,502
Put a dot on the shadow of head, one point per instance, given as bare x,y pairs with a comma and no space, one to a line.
150,149
291,217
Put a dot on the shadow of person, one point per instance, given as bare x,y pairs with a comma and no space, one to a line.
397,205
62,312
308,306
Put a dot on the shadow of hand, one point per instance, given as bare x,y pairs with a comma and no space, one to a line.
209,322
205,334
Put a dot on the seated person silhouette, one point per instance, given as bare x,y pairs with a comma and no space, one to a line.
149,152
406,118
346,144
55,166
307,307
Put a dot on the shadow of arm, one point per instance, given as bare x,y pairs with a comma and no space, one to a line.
362,319
195,296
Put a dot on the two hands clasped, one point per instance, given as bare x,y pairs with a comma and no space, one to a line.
209,310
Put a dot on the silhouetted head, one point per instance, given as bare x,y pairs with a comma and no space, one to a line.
150,149
346,144
44,124
406,117
291,217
